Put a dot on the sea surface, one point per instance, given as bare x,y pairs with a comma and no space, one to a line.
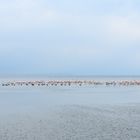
39,112
18,96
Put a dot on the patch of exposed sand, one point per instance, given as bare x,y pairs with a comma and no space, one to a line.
74,122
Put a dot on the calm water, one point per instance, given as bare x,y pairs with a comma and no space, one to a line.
20,99
70,113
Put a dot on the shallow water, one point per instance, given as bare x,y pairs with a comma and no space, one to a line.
69,113
18,98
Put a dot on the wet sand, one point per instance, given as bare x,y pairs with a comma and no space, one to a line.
70,113
74,122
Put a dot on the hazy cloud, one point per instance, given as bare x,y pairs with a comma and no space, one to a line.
70,37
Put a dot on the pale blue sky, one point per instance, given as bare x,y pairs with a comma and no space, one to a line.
70,37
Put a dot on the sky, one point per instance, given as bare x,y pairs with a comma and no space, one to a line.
70,37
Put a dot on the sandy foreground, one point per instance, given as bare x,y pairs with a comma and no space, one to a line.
70,113
74,122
